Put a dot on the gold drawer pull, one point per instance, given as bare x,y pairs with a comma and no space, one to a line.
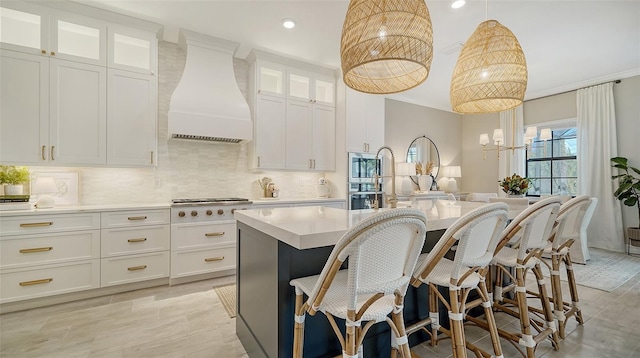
142,239
209,234
48,223
36,282
219,258
135,268
137,218
36,249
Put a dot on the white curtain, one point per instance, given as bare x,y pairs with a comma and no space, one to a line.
597,144
512,124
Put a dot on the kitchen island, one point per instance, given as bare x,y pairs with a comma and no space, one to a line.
277,245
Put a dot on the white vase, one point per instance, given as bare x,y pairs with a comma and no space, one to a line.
323,190
516,195
10,189
424,182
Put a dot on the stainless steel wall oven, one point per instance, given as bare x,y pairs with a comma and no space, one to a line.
361,186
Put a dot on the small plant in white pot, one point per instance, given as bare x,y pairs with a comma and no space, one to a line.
628,192
13,177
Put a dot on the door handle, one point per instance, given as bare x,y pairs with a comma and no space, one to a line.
43,148
51,154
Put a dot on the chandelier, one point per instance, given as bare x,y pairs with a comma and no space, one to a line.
490,74
386,45
499,140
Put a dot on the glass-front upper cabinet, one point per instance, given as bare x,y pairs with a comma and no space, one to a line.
30,28
270,78
311,87
132,49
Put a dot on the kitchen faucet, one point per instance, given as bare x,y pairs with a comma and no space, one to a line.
392,200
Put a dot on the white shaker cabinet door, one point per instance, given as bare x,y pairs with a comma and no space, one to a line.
270,132
78,113
24,108
298,135
132,118
364,121
324,138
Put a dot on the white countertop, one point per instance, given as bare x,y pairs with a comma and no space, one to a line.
315,226
84,208
295,201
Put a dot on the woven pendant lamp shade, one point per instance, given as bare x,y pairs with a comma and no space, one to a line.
386,46
491,72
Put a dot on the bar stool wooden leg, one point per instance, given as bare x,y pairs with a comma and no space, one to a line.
556,289
546,306
351,339
398,320
573,290
491,322
526,339
298,331
434,314
455,320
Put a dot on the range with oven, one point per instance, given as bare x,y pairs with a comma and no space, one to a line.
361,187
203,237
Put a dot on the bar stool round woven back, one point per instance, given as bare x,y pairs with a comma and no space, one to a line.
476,235
382,252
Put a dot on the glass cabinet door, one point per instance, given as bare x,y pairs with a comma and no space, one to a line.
78,38
299,85
324,91
132,49
270,79
23,28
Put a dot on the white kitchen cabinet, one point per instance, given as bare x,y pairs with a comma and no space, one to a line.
44,255
132,116
269,134
200,248
293,112
311,87
135,246
364,121
34,29
78,113
132,49
310,136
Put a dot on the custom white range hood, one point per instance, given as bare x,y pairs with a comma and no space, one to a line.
207,103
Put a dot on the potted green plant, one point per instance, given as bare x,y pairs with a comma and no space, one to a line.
515,185
628,192
13,177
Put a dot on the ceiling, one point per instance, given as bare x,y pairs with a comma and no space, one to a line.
567,44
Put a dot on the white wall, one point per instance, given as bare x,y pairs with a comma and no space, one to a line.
481,174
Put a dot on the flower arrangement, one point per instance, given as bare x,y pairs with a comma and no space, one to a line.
13,175
515,185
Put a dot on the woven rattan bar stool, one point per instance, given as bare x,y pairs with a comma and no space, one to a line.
382,251
476,235
565,232
519,250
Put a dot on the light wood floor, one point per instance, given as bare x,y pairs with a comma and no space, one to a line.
188,320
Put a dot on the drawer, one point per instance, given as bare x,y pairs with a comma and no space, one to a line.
126,269
202,235
127,241
41,249
135,218
36,224
22,284
187,263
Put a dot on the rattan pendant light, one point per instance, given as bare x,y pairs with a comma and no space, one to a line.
386,45
491,72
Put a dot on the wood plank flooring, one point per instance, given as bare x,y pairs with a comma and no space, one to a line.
189,320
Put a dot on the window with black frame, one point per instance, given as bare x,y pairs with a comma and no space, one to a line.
552,165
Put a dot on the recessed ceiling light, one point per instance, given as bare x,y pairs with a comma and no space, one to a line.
289,23
457,4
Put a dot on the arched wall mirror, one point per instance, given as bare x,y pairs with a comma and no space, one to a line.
422,150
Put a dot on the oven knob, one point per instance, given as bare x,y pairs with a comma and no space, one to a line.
181,214
220,211
209,212
233,211
194,213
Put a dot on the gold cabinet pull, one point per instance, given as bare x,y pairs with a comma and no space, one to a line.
136,268
44,52
209,234
210,259
51,154
47,223
152,157
142,239
36,282
43,148
258,162
36,249
137,218
53,53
